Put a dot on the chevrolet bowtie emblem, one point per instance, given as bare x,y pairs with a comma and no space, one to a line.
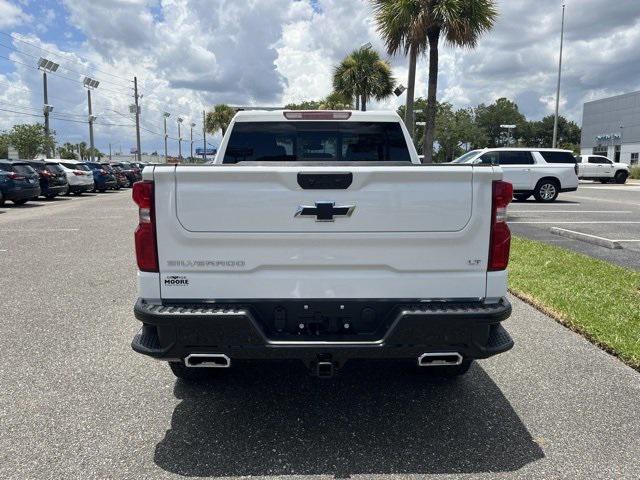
325,211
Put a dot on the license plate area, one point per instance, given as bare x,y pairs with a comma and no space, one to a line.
325,320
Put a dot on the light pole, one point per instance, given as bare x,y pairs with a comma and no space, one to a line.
204,135
90,84
165,115
192,125
46,66
180,120
555,121
135,108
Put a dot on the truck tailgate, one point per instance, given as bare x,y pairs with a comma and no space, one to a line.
414,232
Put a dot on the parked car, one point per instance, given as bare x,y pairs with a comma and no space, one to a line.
53,179
18,182
79,176
123,181
373,255
103,179
541,172
597,167
133,173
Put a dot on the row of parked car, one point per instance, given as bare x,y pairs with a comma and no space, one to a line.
24,180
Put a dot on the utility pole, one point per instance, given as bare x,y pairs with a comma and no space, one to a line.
165,115
179,140
89,83
555,121
204,135
192,125
90,125
110,152
46,112
137,108
46,66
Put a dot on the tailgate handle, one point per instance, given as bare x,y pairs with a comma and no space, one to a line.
325,181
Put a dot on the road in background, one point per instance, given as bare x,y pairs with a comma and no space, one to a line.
607,211
77,402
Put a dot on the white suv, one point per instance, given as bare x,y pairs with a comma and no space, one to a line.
79,176
541,172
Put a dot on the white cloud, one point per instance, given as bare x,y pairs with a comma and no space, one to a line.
11,15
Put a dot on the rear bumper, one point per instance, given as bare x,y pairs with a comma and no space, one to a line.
171,332
87,187
23,193
54,189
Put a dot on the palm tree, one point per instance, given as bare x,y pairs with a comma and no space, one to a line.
459,22
400,22
219,118
336,101
363,74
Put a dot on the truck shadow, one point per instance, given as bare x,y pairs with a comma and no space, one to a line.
372,419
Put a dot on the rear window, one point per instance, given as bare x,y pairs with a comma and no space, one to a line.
316,141
558,157
5,167
502,157
94,166
37,166
54,168
23,169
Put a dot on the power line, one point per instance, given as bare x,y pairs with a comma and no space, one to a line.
61,56
59,76
13,49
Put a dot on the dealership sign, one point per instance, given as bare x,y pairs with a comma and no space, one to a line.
607,136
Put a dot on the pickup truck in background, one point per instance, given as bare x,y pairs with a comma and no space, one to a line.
597,167
319,236
541,172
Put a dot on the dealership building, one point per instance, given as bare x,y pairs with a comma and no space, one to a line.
611,127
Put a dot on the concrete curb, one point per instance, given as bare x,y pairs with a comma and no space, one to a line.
585,237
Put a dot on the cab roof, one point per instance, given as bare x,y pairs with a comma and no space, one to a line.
353,116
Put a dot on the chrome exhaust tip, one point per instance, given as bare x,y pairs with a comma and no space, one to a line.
207,360
439,359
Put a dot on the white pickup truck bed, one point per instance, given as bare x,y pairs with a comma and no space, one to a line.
318,261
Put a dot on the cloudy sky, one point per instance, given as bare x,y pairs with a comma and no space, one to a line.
190,54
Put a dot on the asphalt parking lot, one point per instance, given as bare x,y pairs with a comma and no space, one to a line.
76,402
610,212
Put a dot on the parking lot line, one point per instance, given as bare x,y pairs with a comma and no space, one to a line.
569,211
18,230
577,222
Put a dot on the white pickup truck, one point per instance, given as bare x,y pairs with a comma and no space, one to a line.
599,168
319,236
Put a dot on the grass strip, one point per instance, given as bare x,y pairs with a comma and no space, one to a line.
592,297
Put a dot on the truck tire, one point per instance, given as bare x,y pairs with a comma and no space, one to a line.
521,197
20,202
1,199
194,375
621,177
547,190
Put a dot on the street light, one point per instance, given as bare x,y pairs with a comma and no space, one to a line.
555,121
90,84
46,66
180,120
399,90
165,115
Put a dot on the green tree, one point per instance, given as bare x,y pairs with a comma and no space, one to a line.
305,105
336,101
82,150
363,74
219,118
67,151
4,145
94,153
541,132
502,112
30,140
460,23
401,25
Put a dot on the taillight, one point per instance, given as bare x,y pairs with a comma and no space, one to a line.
103,172
78,173
145,234
15,176
500,238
